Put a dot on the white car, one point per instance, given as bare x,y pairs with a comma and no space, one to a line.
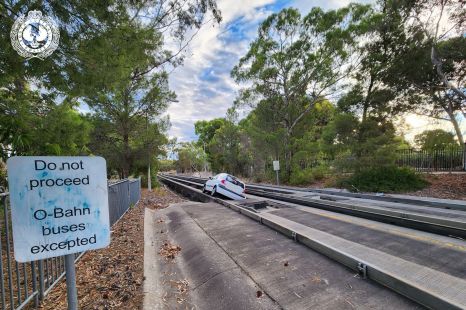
226,185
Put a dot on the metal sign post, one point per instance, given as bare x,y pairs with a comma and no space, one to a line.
276,167
59,206
71,290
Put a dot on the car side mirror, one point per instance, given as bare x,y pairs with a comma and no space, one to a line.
210,178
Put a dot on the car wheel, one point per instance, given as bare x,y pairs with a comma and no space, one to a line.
214,191
203,189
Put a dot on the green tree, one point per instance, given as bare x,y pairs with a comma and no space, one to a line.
110,56
32,124
420,85
297,62
225,149
191,157
146,140
421,63
436,139
360,144
206,131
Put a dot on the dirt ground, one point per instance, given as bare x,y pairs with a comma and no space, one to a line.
448,186
442,185
112,278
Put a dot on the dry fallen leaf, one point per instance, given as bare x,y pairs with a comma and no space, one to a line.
112,278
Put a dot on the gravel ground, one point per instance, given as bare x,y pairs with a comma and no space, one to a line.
112,278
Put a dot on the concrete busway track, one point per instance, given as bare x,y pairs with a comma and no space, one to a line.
427,268
227,261
426,218
396,198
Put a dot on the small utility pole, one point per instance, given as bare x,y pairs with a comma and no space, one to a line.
149,181
276,167
149,178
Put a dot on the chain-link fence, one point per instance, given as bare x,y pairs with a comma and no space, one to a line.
23,284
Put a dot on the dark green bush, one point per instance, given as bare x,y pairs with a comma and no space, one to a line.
154,181
320,172
384,179
301,177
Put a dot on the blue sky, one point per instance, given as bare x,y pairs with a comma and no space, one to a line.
203,84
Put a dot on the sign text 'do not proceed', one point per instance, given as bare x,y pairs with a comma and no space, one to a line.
59,205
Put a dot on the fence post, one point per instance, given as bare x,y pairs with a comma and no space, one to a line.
34,283
40,264
139,189
464,156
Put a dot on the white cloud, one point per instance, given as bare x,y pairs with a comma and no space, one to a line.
212,54
203,85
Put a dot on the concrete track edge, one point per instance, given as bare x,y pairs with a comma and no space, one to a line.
442,226
430,297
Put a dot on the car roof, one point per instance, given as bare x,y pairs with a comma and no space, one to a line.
226,174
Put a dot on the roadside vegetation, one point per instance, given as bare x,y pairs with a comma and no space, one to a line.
104,90
326,94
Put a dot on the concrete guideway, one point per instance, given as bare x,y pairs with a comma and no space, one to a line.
449,222
432,219
420,279
211,278
227,261
394,198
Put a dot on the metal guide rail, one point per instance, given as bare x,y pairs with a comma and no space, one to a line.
396,198
444,222
428,285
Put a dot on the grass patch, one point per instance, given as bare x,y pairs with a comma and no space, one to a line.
387,179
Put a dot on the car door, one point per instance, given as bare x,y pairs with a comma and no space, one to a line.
234,185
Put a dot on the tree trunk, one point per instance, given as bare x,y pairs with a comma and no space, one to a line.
438,66
365,108
126,155
455,124
125,132
288,155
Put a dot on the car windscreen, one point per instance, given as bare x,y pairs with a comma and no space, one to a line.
235,181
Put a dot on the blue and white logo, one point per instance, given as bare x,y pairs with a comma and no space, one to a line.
34,35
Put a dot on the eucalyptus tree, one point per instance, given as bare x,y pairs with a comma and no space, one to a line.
112,55
421,87
426,57
410,62
131,60
296,62
85,23
440,20
436,139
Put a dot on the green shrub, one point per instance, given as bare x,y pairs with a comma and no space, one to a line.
320,172
3,180
301,177
384,179
154,181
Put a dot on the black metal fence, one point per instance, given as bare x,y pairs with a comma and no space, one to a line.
23,284
448,159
